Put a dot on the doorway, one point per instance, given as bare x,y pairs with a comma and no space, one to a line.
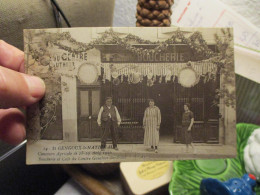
162,95
88,109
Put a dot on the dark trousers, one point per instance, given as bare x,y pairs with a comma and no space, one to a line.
106,127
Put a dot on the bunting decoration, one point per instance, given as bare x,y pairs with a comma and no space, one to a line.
169,71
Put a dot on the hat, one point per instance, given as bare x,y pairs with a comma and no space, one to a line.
109,97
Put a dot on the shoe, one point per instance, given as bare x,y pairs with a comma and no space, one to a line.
115,148
156,151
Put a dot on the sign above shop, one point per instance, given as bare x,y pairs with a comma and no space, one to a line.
161,57
65,60
175,53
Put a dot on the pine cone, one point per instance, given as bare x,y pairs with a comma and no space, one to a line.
154,12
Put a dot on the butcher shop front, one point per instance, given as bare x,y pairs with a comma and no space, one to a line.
171,78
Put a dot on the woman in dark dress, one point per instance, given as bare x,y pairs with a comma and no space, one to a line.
187,123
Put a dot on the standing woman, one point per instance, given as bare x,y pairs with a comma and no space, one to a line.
151,124
187,123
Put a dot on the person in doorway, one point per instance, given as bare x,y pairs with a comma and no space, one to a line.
151,124
187,123
109,119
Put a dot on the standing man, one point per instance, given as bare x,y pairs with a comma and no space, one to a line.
109,119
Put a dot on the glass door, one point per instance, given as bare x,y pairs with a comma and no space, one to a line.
88,108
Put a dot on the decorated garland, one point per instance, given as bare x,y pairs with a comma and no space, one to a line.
195,41
198,46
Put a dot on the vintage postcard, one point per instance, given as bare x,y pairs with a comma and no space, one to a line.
131,94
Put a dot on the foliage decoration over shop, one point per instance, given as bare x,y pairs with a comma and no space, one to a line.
195,42
64,41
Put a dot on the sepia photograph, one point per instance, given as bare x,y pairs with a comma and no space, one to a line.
131,94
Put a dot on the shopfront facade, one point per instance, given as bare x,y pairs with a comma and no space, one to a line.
133,79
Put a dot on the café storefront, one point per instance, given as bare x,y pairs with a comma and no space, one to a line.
171,78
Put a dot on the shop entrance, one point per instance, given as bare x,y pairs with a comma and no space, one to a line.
88,109
162,95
